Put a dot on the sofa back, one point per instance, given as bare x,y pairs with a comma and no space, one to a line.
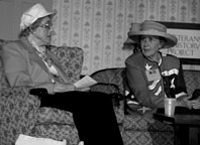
111,76
117,76
192,80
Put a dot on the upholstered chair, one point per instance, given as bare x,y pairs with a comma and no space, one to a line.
20,111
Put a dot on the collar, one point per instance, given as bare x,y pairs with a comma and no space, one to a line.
40,49
159,62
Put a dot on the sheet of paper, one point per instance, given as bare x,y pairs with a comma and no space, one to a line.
85,82
29,140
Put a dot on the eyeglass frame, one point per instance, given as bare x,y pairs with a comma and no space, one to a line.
46,25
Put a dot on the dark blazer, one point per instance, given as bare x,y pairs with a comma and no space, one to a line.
151,93
23,66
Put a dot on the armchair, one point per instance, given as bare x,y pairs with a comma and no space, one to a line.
20,111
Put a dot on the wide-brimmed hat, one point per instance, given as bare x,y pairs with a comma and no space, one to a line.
32,14
153,28
135,27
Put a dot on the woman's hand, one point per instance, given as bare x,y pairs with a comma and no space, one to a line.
185,102
195,104
61,87
82,89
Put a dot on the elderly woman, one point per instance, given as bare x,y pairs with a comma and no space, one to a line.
152,75
27,62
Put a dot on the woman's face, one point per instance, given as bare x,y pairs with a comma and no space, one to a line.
43,31
150,46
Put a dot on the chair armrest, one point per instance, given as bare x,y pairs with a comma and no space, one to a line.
105,87
18,111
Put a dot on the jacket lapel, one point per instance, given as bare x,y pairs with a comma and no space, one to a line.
32,53
34,57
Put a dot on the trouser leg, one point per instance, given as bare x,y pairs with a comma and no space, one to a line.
93,115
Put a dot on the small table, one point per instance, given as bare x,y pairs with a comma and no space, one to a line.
186,125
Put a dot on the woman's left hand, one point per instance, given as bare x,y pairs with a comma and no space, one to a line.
185,102
83,89
195,104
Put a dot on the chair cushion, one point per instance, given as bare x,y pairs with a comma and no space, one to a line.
132,137
17,109
55,116
144,123
57,132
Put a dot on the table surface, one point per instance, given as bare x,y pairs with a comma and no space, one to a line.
182,116
186,123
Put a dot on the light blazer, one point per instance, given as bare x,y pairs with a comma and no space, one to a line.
23,66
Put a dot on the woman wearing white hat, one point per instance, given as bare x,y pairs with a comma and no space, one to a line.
151,75
26,64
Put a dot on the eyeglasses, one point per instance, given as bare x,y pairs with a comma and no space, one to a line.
47,25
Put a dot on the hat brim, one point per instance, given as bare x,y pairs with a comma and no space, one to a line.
129,41
47,14
171,40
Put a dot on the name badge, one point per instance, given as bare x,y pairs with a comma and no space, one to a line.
153,74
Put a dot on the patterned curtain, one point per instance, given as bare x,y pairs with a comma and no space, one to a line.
100,27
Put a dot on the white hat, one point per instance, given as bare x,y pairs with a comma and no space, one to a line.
32,14
153,28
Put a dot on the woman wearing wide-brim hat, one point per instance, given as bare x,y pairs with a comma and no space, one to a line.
152,75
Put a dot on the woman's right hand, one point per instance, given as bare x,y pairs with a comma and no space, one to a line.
61,87
184,101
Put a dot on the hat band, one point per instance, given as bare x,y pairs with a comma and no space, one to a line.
154,26
152,32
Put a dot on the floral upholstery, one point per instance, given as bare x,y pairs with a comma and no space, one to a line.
20,112
192,80
71,60
17,109
142,129
57,132
49,115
